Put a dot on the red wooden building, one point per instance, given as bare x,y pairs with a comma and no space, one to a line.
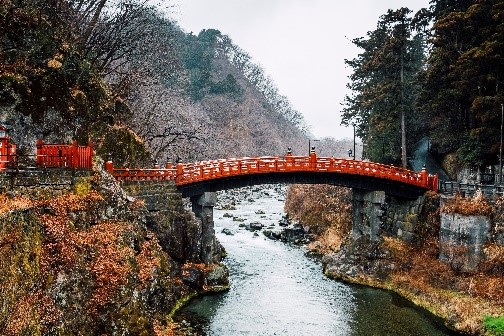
7,149
64,156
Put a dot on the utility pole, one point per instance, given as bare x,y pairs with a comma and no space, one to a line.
500,150
354,142
403,118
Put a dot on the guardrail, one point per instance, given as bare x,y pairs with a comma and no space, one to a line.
451,188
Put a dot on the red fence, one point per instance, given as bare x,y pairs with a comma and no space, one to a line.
64,156
189,173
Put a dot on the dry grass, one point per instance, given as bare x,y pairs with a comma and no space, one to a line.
468,206
325,209
328,242
462,299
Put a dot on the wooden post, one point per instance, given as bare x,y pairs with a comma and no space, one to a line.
75,154
313,158
424,176
91,153
180,173
39,152
109,166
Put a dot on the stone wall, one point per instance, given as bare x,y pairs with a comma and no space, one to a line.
401,218
182,235
367,213
42,184
461,240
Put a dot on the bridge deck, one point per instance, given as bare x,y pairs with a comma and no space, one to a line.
188,174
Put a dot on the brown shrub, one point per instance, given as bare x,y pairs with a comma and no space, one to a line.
469,206
319,206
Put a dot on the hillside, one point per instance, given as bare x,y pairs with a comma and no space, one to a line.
137,86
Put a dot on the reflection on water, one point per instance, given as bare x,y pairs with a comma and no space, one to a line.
277,290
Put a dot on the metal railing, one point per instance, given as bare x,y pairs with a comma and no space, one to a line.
451,188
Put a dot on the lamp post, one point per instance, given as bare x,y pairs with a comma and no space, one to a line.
310,146
500,150
350,152
354,141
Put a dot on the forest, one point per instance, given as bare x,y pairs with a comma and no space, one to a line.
125,76
123,72
436,73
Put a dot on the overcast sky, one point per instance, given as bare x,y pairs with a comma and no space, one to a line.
300,44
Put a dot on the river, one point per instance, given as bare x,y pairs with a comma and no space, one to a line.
276,289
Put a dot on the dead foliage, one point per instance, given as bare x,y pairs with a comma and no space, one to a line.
468,206
324,209
15,203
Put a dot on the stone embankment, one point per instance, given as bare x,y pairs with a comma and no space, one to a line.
92,258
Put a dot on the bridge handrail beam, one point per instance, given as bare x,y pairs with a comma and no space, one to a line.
214,169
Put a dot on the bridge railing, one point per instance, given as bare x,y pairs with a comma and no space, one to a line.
189,173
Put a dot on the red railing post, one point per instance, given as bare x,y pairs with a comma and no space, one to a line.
109,166
424,177
180,173
11,154
313,159
90,155
289,162
75,155
40,160
434,182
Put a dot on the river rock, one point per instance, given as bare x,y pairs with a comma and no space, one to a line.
217,277
285,221
272,234
255,226
227,231
358,257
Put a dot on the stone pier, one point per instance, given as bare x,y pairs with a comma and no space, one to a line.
202,206
367,213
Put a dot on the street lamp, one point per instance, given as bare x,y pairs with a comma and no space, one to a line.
353,141
350,152
310,148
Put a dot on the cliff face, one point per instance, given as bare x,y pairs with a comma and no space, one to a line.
95,261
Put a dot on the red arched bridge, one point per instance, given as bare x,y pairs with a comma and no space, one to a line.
207,176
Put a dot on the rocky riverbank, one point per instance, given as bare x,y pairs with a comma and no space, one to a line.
469,302
96,261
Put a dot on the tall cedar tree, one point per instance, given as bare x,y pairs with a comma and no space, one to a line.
462,85
383,86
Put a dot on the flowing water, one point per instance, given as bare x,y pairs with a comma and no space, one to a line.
276,289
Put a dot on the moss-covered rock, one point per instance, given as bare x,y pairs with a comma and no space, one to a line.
90,262
124,147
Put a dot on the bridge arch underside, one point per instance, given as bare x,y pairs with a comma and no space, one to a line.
390,187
